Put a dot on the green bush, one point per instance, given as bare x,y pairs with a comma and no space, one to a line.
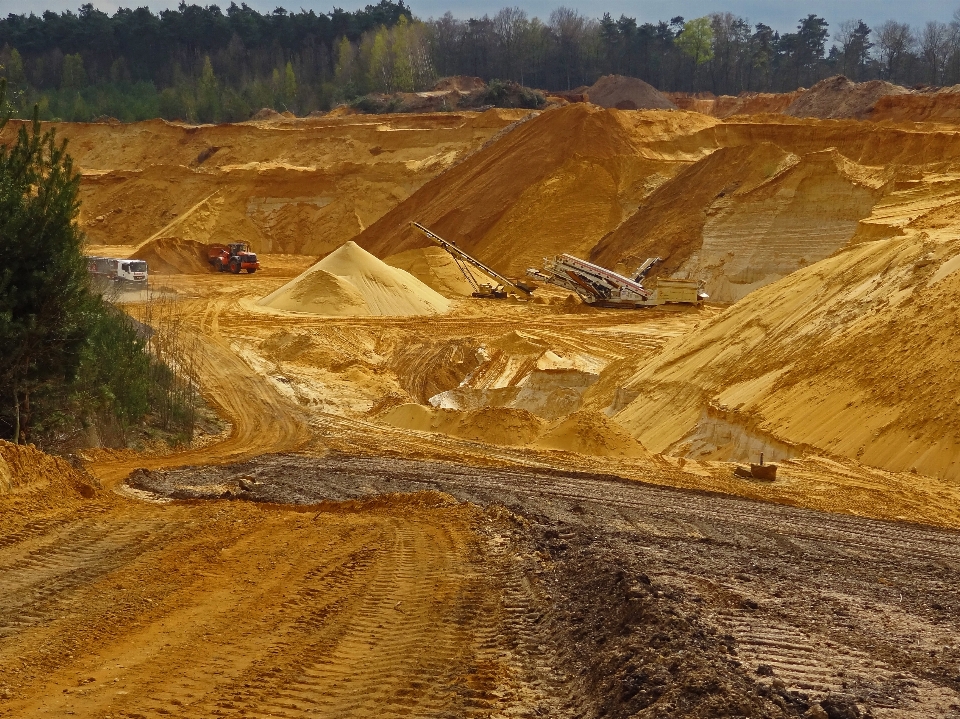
69,359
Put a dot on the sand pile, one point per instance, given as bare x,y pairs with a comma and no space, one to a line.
350,282
591,433
627,93
556,183
837,98
745,216
461,83
434,267
266,113
516,342
499,425
746,103
32,482
495,425
174,256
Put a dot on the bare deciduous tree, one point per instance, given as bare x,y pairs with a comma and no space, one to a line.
567,26
936,40
895,40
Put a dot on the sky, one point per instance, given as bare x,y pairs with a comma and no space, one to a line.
782,15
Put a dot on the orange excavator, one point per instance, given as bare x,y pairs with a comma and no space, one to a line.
232,258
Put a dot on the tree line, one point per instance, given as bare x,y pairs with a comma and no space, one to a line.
206,64
722,53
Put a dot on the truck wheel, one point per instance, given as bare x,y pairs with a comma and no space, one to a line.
219,265
235,268
251,270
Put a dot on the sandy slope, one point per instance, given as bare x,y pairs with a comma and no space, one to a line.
855,355
557,183
302,185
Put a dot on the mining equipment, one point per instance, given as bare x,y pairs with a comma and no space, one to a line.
485,290
117,270
232,258
601,287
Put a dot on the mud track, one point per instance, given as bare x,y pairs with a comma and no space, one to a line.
770,608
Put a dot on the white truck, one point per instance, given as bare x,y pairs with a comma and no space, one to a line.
133,272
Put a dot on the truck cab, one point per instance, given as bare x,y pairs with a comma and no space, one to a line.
134,271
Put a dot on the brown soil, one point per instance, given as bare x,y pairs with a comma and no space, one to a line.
462,83
627,93
746,103
837,97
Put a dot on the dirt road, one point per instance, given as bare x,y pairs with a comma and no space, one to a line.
364,586
261,419
810,604
385,608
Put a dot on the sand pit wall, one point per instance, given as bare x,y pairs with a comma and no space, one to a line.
936,107
292,185
724,106
554,184
771,199
32,482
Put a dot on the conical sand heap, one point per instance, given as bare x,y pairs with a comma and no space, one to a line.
352,282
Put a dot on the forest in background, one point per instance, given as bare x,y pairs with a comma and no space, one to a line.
204,64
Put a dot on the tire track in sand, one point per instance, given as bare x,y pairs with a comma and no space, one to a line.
233,609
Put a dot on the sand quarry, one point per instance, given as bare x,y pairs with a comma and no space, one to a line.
429,504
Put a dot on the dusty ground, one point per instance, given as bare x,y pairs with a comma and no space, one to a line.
452,515
357,586
531,600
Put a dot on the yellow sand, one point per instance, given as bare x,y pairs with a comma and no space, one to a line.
174,256
435,268
494,425
855,355
352,282
592,433
585,432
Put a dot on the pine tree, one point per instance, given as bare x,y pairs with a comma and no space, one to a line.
45,305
